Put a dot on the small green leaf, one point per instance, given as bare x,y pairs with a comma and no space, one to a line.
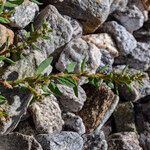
36,46
75,89
44,65
70,68
67,81
2,99
111,85
10,5
53,87
124,70
7,60
104,68
83,65
4,20
37,2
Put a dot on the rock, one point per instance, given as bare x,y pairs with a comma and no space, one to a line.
62,30
124,117
77,27
5,35
118,5
106,60
124,141
26,66
76,51
132,18
142,110
95,141
98,107
138,59
24,14
68,99
125,41
73,123
102,41
17,141
18,100
61,141
47,115
140,5
90,13
26,127
137,91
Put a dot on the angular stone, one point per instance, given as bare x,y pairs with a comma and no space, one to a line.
5,34
68,99
18,100
62,30
124,141
17,141
95,141
73,123
124,117
24,14
77,27
61,141
139,58
132,18
118,5
91,13
125,41
102,41
76,51
26,66
47,115
98,107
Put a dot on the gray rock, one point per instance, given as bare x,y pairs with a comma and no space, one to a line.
132,18
139,58
47,115
73,123
17,141
90,13
62,30
98,107
18,100
118,5
76,51
77,27
102,41
139,4
95,141
124,117
62,141
125,41
124,141
68,99
24,14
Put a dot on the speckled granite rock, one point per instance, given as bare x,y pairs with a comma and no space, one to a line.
125,41
17,141
47,115
124,117
98,107
102,41
124,141
95,141
91,13
62,30
68,99
18,99
24,14
73,122
61,141
132,18
76,51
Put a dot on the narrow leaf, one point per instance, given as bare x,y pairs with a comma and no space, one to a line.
7,60
53,87
83,65
70,68
4,20
2,99
37,2
44,65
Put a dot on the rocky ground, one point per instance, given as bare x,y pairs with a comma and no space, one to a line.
108,32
